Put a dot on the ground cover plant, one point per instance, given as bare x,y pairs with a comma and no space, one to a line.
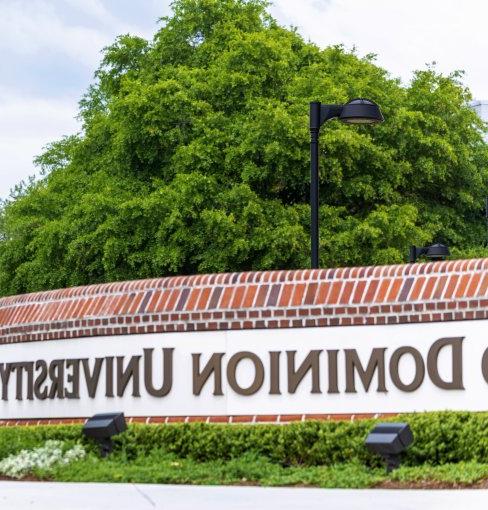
450,450
42,458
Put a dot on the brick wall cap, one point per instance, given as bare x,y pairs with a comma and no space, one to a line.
454,289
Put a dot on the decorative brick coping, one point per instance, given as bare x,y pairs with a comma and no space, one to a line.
409,293
247,419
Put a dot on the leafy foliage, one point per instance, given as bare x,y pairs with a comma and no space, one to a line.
194,157
439,438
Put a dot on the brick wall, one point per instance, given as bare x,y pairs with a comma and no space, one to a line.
439,291
409,293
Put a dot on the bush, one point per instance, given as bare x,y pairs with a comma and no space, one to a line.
439,438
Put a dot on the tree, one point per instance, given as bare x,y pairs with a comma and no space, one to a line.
193,157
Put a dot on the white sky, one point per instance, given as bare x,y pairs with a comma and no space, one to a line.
49,50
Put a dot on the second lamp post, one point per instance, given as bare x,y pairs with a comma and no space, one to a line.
357,111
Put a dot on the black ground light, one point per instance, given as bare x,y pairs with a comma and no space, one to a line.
432,252
356,111
389,440
102,427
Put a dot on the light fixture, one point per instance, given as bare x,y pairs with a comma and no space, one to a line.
389,440
102,427
433,252
356,111
361,111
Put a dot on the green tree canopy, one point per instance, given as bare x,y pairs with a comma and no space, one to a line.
193,157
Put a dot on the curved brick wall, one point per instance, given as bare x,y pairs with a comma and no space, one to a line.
409,293
438,291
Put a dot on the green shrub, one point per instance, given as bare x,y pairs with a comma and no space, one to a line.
440,438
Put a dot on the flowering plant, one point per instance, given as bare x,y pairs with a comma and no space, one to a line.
44,457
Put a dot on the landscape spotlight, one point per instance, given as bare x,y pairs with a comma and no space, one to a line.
102,427
356,111
389,440
433,252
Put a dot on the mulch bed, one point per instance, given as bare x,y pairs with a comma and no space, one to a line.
387,484
29,478
431,484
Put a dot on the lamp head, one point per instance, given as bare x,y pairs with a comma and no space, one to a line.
361,111
437,252
389,440
101,427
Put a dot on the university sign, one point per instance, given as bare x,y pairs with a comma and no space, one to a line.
251,346
375,369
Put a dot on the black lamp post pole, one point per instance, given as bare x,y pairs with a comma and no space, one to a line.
314,183
357,111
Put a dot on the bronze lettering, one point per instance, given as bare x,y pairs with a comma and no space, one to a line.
56,374
73,378
419,369
109,376
274,373
131,371
167,372
456,344
258,373
40,379
332,372
310,363
213,366
5,371
353,365
19,368
29,368
91,378
484,365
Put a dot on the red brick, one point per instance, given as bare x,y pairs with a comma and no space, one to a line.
238,297
429,287
173,299
346,293
473,285
311,292
463,283
266,418
298,294
196,419
249,297
317,417
286,294
322,293
192,299
226,297
242,419
290,417
483,286
381,295
160,306
262,293
371,291
204,299
453,279
218,419
395,289
334,293
358,293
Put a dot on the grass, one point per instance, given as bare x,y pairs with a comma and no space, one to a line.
249,469
462,473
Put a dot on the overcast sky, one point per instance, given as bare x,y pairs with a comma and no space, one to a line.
49,50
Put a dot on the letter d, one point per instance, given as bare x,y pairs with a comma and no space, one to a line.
456,344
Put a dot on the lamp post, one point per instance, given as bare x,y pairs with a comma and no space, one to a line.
357,111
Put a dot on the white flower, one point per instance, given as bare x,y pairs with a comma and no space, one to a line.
44,457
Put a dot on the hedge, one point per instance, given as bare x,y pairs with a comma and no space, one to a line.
439,438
